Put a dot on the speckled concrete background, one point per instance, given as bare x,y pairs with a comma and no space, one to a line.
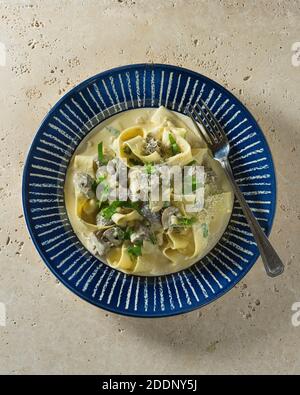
50,47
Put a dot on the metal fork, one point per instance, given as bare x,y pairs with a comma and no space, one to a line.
216,140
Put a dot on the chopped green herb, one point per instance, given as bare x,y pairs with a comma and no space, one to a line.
204,230
172,139
102,204
127,233
94,185
101,158
134,205
174,145
135,250
175,149
100,179
128,203
186,221
191,180
149,168
194,183
100,152
109,211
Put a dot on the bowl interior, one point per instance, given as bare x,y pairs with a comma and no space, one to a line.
72,118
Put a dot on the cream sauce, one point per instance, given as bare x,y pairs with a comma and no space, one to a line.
108,132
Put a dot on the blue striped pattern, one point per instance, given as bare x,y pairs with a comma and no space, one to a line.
68,123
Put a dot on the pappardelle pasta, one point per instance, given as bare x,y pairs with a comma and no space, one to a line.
136,234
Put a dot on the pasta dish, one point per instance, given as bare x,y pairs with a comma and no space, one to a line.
144,194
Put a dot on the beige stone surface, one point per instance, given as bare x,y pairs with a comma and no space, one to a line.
51,46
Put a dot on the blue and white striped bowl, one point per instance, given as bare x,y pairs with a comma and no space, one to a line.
72,118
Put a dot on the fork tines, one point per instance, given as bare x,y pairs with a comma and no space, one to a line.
211,130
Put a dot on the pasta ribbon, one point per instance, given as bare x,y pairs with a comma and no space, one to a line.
157,236
126,218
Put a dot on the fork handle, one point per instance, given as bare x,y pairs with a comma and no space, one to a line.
273,264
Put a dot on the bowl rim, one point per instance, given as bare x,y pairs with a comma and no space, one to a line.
77,88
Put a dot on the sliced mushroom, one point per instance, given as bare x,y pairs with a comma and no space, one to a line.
114,236
139,234
151,145
169,216
84,182
151,216
99,246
